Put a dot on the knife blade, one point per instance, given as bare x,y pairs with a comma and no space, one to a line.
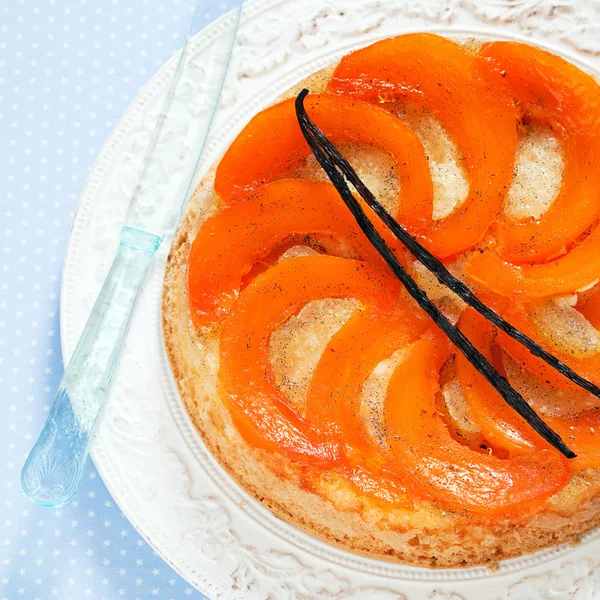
53,470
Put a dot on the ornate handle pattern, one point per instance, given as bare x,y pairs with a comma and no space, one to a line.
54,468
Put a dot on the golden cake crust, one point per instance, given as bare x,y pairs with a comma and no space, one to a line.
424,535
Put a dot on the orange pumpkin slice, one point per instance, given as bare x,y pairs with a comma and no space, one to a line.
261,413
334,395
499,424
335,391
458,477
590,308
504,427
549,90
586,367
437,74
576,270
349,359
581,432
233,240
272,143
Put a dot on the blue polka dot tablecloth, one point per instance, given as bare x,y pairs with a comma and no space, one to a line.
68,69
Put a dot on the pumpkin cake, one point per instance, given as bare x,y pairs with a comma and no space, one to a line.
314,379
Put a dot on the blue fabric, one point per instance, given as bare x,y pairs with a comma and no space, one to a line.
68,69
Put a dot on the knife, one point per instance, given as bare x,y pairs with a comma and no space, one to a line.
53,470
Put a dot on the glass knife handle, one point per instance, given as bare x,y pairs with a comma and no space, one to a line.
54,468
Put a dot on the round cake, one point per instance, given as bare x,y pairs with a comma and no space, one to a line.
315,378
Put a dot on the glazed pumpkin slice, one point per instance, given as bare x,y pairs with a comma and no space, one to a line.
437,74
261,413
574,417
383,488
504,427
539,369
588,367
234,239
272,143
334,394
581,433
499,424
456,476
577,270
549,90
589,307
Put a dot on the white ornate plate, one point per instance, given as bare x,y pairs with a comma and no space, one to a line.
145,448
